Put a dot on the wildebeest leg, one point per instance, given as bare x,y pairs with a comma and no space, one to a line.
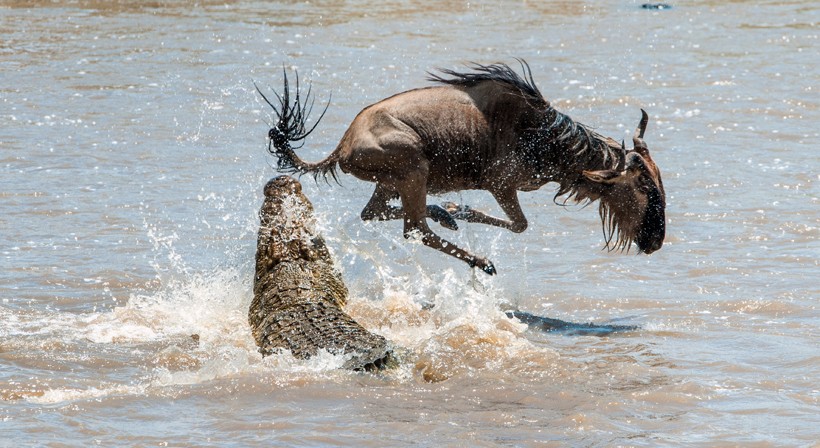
507,199
379,209
413,193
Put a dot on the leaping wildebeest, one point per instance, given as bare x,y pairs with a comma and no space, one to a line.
487,129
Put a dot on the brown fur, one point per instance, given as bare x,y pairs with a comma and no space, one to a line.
486,130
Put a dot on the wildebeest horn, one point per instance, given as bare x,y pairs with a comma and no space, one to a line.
622,157
637,140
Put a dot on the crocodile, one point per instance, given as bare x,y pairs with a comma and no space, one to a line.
298,294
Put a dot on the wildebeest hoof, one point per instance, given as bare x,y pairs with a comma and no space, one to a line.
442,217
485,265
463,212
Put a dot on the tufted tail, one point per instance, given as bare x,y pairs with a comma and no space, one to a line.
291,127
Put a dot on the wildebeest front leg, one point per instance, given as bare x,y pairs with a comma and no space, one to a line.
379,208
413,193
507,199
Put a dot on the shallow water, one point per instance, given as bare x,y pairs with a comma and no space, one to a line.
132,156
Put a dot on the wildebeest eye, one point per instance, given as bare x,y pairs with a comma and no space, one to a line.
635,161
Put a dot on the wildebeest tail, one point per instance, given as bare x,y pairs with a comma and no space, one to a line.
291,128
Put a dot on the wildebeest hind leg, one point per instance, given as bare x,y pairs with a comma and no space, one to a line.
413,193
378,208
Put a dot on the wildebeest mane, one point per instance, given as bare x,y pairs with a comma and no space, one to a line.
583,147
494,72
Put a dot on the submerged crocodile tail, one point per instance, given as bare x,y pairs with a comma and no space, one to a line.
298,293
547,325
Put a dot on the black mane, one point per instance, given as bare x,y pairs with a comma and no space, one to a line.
577,136
494,72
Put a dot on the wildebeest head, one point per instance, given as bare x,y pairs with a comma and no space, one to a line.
632,199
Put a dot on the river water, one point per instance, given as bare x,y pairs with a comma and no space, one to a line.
132,157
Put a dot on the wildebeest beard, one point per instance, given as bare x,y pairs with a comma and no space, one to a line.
628,214
620,221
619,225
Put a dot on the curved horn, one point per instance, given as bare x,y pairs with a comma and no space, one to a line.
637,140
642,125
621,157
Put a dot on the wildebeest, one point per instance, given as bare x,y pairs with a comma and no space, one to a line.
487,129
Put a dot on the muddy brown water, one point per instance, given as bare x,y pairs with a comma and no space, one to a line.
132,157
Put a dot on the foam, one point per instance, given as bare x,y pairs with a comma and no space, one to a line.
212,306
56,396
441,322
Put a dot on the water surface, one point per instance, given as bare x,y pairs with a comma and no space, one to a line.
132,157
